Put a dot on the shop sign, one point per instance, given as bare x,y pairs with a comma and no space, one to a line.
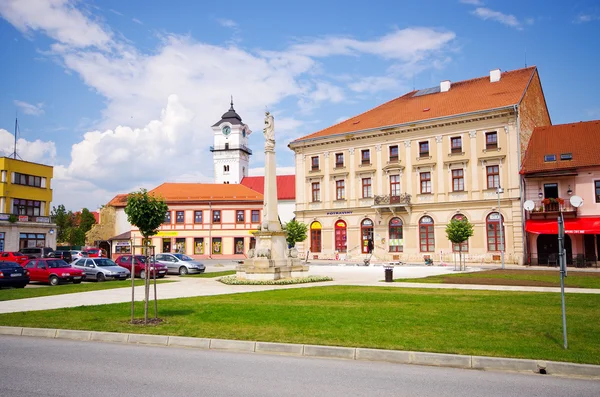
42,219
23,218
339,213
396,222
315,225
4,217
122,244
494,217
341,224
426,220
166,233
367,222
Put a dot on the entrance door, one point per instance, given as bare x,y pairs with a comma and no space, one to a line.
551,190
340,236
315,237
589,243
366,231
166,245
547,247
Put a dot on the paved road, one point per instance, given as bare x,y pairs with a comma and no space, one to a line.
50,367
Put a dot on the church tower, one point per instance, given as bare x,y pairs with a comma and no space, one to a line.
231,152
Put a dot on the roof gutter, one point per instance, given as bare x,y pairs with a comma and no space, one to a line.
297,142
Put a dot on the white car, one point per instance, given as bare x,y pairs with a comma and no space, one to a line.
180,264
78,255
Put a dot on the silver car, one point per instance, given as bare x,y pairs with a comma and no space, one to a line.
101,269
180,264
76,254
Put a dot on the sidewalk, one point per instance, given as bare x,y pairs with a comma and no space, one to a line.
185,287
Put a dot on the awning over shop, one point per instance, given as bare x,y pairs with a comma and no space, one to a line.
572,226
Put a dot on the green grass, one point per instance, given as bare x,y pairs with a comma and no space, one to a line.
23,293
488,323
541,278
212,274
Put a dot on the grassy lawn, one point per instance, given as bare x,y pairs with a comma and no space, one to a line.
489,323
22,293
212,274
538,278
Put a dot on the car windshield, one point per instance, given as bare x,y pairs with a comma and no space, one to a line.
9,265
18,254
104,262
182,257
141,258
57,264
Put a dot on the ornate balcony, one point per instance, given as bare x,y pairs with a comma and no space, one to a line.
392,203
545,209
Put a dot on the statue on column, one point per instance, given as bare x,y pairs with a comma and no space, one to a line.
269,131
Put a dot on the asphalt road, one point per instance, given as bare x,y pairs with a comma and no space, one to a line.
51,367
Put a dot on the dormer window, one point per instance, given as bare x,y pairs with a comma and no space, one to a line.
566,156
549,157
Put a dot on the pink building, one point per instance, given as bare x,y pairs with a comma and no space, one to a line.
563,161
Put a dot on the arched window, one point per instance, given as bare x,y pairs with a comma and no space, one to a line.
463,247
493,223
315,237
340,236
426,237
366,232
396,239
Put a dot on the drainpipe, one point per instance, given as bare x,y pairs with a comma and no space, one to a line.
210,230
521,188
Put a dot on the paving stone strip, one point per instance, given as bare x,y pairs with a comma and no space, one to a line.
333,352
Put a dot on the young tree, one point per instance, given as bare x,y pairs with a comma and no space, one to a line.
147,213
296,232
64,223
459,231
86,220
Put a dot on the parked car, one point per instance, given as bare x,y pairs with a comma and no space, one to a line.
53,271
140,266
37,252
14,257
64,255
180,264
76,254
101,269
13,275
94,252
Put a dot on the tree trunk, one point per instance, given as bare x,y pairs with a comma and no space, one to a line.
146,286
155,298
132,283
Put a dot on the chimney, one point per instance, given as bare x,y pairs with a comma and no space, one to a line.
445,86
494,75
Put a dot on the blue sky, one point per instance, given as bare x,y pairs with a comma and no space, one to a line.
120,95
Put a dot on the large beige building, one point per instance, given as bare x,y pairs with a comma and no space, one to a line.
400,172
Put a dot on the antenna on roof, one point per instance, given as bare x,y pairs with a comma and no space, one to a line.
14,154
525,56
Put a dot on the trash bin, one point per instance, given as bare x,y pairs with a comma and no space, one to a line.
389,274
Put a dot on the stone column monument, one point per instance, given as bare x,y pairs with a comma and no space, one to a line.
271,259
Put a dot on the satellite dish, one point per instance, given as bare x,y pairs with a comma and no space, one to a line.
576,201
529,205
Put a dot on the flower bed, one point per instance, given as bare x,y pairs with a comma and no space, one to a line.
233,280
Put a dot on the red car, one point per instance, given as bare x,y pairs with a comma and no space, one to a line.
95,253
53,271
14,257
140,265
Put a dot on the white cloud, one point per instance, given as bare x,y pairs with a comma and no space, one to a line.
59,19
584,18
472,2
30,109
374,84
228,23
115,12
35,151
137,21
506,19
160,104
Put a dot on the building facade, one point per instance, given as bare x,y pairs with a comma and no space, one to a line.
25,197
397,174
205,220
562,162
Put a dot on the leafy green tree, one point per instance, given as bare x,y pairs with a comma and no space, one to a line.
296,232
76,236
64,223
146,212
459,231
86,220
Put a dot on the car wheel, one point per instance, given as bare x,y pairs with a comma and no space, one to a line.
143,274
183,271
100,277
53,280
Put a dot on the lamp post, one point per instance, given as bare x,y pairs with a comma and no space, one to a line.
499,191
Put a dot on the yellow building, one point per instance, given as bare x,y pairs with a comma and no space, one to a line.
25,197
397,174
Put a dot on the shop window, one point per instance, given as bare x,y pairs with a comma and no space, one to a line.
180,245
31,240
315,237
366,232
199,246
1,241
238,243
396,239
340,236
426,234
217,246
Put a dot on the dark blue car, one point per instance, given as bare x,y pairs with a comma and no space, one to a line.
13,275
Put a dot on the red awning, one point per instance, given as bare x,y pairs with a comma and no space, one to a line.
572,226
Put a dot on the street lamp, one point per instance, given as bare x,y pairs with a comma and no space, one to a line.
499,191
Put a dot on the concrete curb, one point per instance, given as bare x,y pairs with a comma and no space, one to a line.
348,353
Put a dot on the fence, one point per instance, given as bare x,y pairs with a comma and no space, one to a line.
551,260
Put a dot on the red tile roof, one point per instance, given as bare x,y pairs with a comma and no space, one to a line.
181,192
120,200
580,139
464,97
286,185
